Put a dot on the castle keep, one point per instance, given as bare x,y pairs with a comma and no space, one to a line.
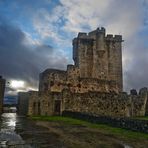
97,66
99,56
94,84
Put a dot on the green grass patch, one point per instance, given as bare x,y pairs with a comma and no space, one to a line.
141,118
123,133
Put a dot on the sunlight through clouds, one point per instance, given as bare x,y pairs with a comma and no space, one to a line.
38,34
17,84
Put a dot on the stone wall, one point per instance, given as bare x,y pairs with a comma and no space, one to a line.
98,55
52,80
34,107
92,85
2,89
106,104
95,103
23,102
139,102
126,123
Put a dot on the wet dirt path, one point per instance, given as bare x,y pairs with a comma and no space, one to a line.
20,132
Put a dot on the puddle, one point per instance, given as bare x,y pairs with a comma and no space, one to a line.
8,135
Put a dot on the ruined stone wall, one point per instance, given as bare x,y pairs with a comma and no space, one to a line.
73,73
120,122
23,103
83,85
2,89
98,66
52,80
51,104
34,103
56,81
47,102
92,85
139,102
106,104
96,85
95,103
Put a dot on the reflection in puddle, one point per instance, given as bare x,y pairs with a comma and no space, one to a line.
8,122
34,136
12,123
8,136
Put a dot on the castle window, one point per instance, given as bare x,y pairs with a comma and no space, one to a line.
51,83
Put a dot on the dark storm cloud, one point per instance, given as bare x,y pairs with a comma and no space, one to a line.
22,62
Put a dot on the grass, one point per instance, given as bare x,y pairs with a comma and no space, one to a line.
123,133
141,118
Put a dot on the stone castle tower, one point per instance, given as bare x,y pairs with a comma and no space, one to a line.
92,85
99,56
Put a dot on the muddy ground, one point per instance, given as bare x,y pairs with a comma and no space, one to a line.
45,134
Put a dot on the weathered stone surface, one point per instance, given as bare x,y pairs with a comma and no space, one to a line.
99,56
127,123
133,92
34,106
23,102
92,85
107,104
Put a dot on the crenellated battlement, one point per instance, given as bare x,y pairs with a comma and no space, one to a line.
109,37
91,34
94,35
93,84
116,38
96,48
102,29
83,35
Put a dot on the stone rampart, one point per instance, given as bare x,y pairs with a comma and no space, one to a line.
126,123
106,104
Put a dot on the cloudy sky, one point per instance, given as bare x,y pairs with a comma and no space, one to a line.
37,34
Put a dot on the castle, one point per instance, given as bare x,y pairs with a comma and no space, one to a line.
94,84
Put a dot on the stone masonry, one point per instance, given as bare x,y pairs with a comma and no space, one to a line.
94,84
99,56
2,89
23,100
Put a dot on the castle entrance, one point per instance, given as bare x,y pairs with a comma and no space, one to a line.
57,107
